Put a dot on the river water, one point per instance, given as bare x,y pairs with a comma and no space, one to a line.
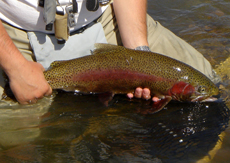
78,128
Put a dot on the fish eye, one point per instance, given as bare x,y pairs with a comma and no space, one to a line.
202,89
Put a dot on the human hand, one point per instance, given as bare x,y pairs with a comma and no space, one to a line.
142,93
28,83
26,78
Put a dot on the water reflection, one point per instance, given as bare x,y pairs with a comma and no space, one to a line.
183,133
72,129
19,126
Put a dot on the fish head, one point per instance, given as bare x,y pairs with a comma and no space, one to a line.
205,93
183,91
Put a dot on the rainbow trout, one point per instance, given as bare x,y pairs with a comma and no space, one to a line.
120,70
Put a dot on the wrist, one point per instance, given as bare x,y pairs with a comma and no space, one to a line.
13,66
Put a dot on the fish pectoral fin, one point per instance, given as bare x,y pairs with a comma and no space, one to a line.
157,106
106,97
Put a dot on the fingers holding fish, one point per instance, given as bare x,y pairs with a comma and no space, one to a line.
130,95
40,95
35,97
33,101
140,93
49,91
146,94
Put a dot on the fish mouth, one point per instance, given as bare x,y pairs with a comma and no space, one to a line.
203,98
210,99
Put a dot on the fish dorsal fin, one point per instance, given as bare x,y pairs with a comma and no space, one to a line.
103,48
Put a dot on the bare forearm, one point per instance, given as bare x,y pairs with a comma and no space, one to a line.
131,18
10,57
